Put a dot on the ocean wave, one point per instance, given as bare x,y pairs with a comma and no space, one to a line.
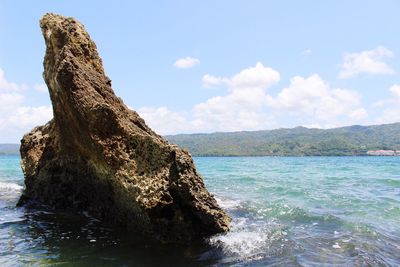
4,186
228,204
263,232
9,190
250,240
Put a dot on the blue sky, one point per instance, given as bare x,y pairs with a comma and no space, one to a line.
205,66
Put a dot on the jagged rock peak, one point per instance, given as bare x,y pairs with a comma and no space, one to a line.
99,156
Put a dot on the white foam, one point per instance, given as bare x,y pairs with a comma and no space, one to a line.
246,239
9,190
10,187
227,203
243,243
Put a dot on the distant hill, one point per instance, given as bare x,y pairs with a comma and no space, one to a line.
299,141
9,149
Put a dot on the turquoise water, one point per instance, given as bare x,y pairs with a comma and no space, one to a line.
312,211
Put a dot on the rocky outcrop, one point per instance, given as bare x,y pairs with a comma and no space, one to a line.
99,156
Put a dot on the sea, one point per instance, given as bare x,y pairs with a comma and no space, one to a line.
287,211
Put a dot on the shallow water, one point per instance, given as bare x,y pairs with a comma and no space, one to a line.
313,211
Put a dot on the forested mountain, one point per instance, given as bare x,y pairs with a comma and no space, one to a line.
299,141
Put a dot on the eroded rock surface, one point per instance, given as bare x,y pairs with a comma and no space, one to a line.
99,156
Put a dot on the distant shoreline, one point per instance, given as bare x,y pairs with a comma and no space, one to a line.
370,153
356,140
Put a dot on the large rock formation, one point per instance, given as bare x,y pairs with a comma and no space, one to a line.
99,156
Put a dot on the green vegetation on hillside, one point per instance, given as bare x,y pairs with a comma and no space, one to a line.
299,141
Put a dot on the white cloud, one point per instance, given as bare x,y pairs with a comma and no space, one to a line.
17,118
26,117
313,98
239,109
216,114
164,120
232,113
369,61
258,76
186,62
390,115
306,52
212,81
7,86
390,107
41,88
255,77
395,100
395,90
358,114
9,101
247,105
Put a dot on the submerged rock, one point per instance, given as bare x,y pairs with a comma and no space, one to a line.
99,156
